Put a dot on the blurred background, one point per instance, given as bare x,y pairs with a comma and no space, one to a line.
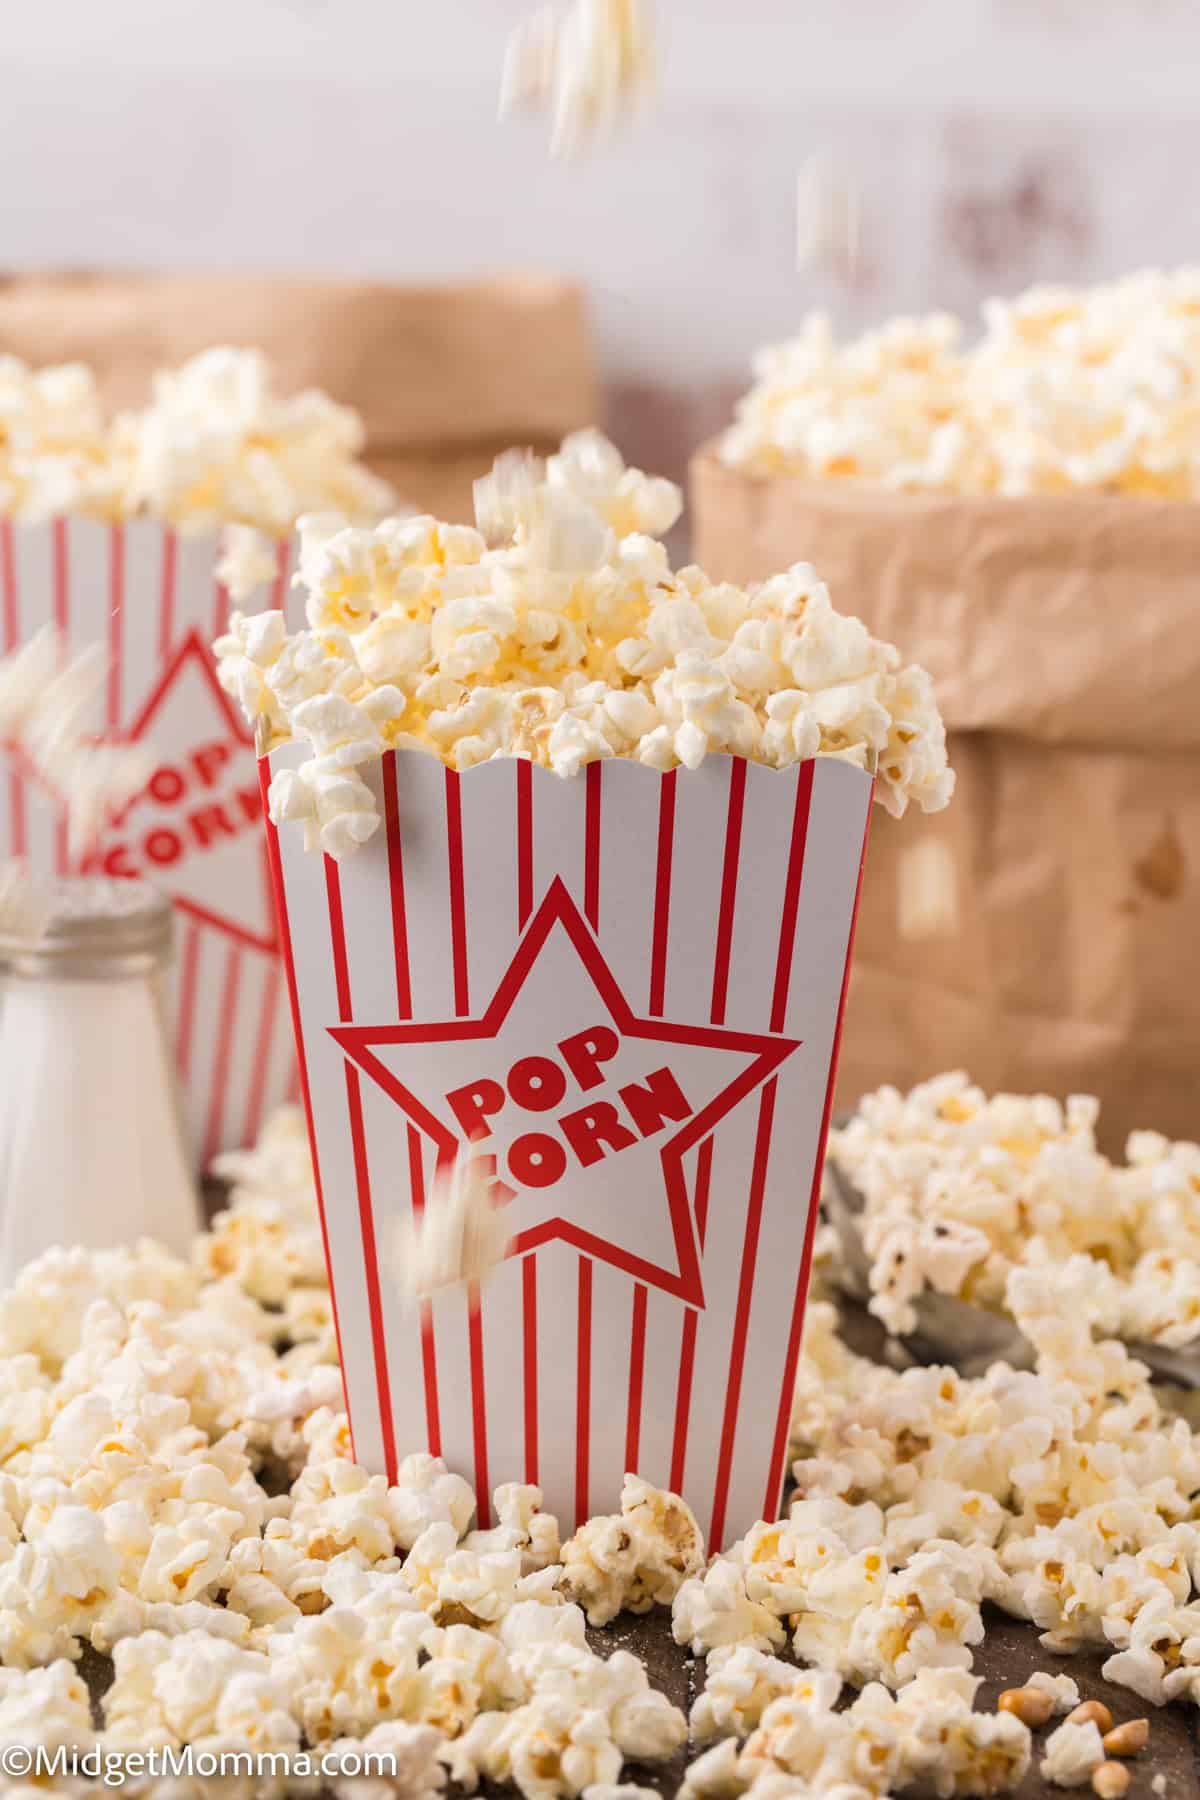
996,142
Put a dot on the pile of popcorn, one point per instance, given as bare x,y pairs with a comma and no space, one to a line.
177,1492
216,444
976,1196
1067,389
557,631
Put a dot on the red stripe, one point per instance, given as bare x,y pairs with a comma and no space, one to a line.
583,1392
395,846
166,594
293,1086
729,872
524,842
591,855
741,1321
62,854
787,1392
220,609
59,553
483,1498
185,1017
262,1053
395,849
683,1398
662,893
8,613
300,1077
8,584
529,1296
720,992
366,1225
279,589
458,904
362,1174
433,1420
337,929
116,620
220,1066
637,1371
687,1345
791,895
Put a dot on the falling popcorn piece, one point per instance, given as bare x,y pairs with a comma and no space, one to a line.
461,1236
46,700
828,217
927,891
587,68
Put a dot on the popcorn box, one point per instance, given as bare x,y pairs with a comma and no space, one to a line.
626,992
150,597
1034,932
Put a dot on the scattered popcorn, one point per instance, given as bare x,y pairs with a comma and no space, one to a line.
1005,1201
588,67
216,445
1067,389
1073,1754
635,1560
460,1236
177,1492
568,640
1060,1690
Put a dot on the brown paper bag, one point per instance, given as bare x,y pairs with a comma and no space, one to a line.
444,376
1042,932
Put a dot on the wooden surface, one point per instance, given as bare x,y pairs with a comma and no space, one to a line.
1009,1654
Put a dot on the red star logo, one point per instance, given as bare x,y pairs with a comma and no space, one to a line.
206,796
612,1096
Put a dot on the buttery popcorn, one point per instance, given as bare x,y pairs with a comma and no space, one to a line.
570,639
216,445
1004,1200
1066,390
635,1560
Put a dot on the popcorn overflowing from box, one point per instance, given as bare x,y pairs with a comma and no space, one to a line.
618,992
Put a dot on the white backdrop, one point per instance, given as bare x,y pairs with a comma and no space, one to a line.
998,141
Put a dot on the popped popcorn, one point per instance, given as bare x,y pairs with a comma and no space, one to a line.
176,1490
1066,389
1004,1200
1059,1689
216,445
635,1560
460,1235
1073,1754
558,632
587,68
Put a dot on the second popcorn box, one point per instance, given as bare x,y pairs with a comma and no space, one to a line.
624,991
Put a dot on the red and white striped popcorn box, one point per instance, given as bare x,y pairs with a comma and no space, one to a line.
625,991
151,598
